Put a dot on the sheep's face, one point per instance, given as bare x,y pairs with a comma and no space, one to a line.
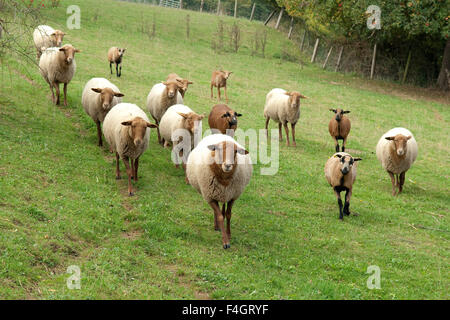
121,51
138,128
69,53
107,95
183,84
231,117
58,37
172,88
339,113
294,99
400,143
346,163
224,155
226,74
192,121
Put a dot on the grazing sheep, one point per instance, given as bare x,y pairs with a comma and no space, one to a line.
115,56
397,150
219,169
57,65
339,127
219,80
180,117
184,82
340,172
125,129
46,37
160,98
223,119
283,107
99,96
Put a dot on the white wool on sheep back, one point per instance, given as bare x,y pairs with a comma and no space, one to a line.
157,103
117,135
42,37
384,151
91,100
201,177
52,70
277,107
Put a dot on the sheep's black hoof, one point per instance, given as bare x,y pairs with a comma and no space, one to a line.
131,194
226,246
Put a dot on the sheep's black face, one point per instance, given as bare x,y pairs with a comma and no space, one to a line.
346,163
339,113
121,52
232,118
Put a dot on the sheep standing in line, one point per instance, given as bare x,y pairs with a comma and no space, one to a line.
223,119
397,150
46,37
57,65
180,117
99,96
219,169
184,83
115,56
340,172
219,80
161,97
283,107
339,127
125,129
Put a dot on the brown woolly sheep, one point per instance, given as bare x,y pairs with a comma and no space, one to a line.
339,127
223,119
115,56
184,82
219,80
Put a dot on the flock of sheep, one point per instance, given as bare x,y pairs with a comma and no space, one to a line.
218,167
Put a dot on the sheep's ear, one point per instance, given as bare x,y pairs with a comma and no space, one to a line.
62,49
348,111
212,147
389,138
151,125
190,82
408,137
184,115
237,114
338,156
334,110
303,97
225,115
357,159
164,83
127,123
98,90
287,93
118,94
241,151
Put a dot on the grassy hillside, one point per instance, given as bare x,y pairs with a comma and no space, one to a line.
60,204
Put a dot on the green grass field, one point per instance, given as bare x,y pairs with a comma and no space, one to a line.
60,204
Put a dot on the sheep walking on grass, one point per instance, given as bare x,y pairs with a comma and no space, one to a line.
125,129
397,150
115,56
339,127
99,96
184,83
219,169
219,80
222,119
340,172
45,37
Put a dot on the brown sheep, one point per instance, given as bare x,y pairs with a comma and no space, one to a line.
219,80
223,119
115,56
339,127
184,82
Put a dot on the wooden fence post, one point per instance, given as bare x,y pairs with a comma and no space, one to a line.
218,7
407,66
181,4
201,5
235,8
339,59
315,50
372,69
291,27
253,11
269,17
328,56
279,18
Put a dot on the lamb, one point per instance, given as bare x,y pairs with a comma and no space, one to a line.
57,65
115,56
219,80
219,169
397,150
223,119
339,127
283,107
125,129
185,83
340,172
46,37
160,98
180,117
99,96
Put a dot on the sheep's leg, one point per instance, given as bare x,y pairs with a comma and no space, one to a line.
129,173
65,94
393,182
99,134
348,195
280,135
136,166
293,134
336,144
343,144
117,70
402,181
219,217
267,127
228,215
218,91
120,70
212,95
225,92
287,133
110,67
117,167
157,130
132,169
56,85
53,93
338,197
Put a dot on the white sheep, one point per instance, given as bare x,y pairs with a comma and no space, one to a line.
397,150
99,96
57,65
219,169
161,97
46,37
179,125
125,129
283,107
